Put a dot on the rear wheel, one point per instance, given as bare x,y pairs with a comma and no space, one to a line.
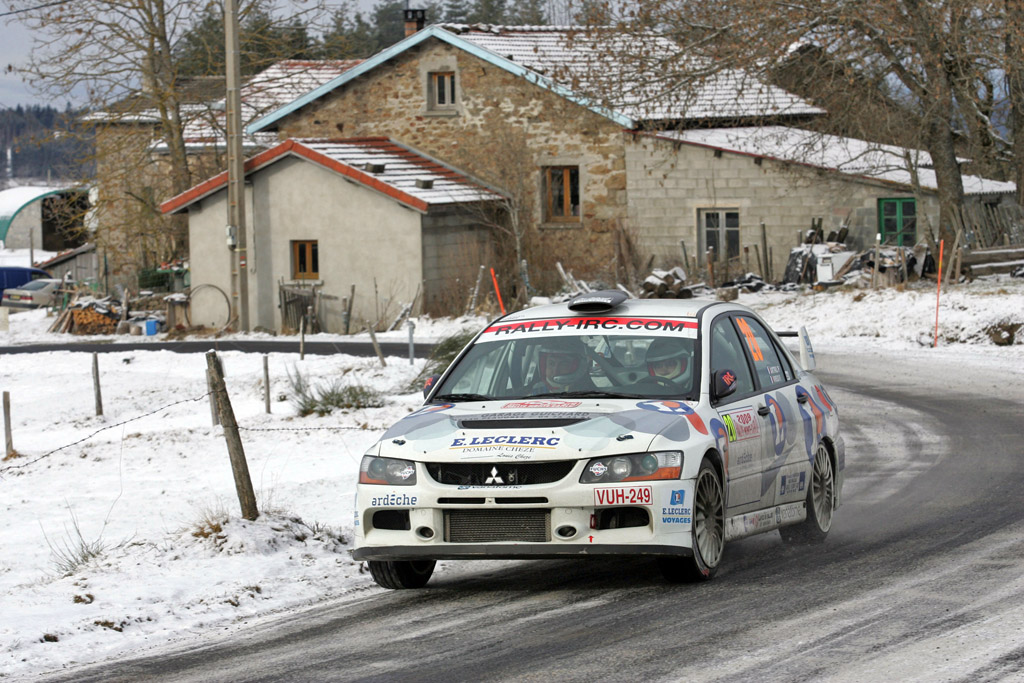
821,502
707,531
400,573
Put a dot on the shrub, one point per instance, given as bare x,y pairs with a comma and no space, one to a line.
334,395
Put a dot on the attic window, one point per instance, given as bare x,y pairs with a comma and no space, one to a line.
441,94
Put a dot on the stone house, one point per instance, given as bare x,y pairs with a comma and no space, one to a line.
133,164
368,212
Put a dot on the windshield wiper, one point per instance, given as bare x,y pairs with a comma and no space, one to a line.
460,398
592,393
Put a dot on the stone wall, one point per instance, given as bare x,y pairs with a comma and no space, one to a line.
670,182
498,116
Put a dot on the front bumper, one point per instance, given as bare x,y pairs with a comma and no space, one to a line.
495,551
557,520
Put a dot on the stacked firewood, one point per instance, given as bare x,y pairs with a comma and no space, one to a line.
93,317
669,284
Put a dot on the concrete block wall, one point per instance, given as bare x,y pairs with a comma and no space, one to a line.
669,182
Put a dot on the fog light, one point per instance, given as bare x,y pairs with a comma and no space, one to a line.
425,532
566,531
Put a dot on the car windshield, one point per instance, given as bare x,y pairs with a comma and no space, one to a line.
660,363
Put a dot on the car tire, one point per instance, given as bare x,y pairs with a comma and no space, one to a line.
821,503
707,531
400,573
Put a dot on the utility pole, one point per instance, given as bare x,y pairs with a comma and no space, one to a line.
236,235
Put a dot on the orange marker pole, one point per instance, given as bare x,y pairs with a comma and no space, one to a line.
497,291
938,292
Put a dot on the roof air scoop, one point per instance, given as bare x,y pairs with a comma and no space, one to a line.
597,302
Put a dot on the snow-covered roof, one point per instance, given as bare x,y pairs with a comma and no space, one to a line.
850,156
265,92
573,55
14,199
564,60
378,163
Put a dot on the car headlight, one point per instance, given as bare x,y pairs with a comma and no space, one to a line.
634,467
389,471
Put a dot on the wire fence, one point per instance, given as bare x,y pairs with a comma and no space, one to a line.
22,465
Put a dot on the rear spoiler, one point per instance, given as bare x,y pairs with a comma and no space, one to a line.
806,350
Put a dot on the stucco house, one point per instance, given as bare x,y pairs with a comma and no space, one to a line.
368,212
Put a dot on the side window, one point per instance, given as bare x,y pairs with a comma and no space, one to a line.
441,90
727,353
771,370
305,260
562,194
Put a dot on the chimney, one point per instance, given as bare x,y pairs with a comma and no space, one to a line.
414,20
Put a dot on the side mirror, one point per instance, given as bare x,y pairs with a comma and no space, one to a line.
429,384
724,383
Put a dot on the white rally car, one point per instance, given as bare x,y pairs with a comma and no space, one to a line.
605,426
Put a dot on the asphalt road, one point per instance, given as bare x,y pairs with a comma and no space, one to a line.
919,580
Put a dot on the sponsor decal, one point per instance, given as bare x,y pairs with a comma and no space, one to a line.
759,520
825,400
686,327
621,495
534,415
598,469
721,435
676,513
542,404
729,378
748,334
789,483
814,420
389,499
777,419
676,408
787,513
506,440
741,424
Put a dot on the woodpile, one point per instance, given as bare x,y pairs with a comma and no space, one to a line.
94,317
992,261
669,284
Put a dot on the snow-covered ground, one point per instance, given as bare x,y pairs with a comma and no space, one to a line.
147,489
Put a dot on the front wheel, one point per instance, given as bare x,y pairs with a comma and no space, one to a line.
401,574
707,531
821,503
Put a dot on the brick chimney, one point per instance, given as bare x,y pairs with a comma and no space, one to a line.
414,20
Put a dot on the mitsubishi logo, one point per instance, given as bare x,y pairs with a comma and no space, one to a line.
494,478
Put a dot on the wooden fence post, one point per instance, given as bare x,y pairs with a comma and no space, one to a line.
214,418
8,439
376,346
266,383
96,384
243,484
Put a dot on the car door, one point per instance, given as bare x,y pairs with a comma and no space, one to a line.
782,403
738,428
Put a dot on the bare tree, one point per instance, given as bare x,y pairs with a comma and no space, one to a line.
934,65
123,58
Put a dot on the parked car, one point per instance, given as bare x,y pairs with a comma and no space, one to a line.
16,276
605,426
34,294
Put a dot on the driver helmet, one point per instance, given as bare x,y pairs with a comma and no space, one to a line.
563,362
668,357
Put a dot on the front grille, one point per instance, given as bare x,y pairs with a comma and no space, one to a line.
507,474
489,526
